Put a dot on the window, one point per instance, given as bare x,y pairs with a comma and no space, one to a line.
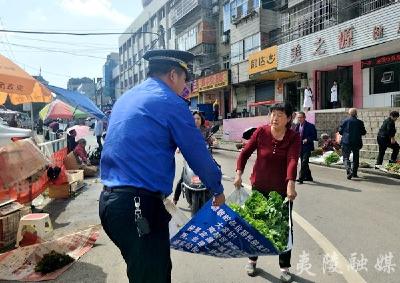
121,85
161,13
126,83
153,22
145,27
240,8
169,34
385,78
124,47
251,43
128,43
188,39
130,81
135,78
120,50
241,49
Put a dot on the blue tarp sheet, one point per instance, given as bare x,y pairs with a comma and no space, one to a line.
78,100
220,232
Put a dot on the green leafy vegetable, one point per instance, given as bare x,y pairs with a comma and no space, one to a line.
52,261
332,158
269,216
393,167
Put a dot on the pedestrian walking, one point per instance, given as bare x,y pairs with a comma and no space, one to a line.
334,95
352,129
146,126
98,132
386,138
308,134
275,169
307,104
216,110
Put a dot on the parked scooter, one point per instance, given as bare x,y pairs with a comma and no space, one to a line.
245,137
193,189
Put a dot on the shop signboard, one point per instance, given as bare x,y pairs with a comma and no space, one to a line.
213,81
263,61
382,60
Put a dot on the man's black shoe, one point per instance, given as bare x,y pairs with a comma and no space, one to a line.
300,181
355,176
349,175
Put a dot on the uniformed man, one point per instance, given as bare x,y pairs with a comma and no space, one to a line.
147,124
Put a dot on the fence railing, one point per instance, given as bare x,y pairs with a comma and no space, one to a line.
50,147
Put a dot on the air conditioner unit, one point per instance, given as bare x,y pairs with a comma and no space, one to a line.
215,10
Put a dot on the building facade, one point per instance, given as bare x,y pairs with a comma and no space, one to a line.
108,82
84,85
254,26
355,43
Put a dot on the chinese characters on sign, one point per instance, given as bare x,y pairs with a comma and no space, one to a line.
211,82
320,46
388,59
377,32
346,38
264,60
10,87
295,53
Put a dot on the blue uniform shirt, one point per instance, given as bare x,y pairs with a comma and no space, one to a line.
147,124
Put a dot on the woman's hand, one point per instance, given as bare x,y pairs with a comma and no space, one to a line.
291,191
238,179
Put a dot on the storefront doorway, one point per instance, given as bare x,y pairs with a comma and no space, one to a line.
343,75
293,95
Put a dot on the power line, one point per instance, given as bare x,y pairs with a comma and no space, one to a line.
56,51
6,38
75,33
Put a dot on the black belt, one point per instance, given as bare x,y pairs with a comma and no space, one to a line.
134,190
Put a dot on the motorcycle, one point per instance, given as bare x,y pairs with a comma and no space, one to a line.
193,189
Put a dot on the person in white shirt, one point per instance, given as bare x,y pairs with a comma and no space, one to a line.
307,104
334,95
98,132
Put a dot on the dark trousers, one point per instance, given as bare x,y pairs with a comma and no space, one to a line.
284,258
383,144
305,172
178,188
346,150
147,257
98,138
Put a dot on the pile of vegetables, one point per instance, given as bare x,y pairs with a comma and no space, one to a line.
393,167
332,158
52,261
269,216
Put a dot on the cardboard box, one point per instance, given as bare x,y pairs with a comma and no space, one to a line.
74,175
65,190
8,228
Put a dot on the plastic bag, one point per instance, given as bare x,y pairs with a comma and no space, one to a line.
238,196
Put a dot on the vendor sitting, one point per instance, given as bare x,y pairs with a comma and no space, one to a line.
82,157
328,144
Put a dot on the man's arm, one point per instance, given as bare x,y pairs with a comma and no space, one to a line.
363,130
341,127
193,148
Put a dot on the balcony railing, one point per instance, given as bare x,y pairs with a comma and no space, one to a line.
368,6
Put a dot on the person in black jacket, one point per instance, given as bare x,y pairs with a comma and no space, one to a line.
386,138
308,135
351,130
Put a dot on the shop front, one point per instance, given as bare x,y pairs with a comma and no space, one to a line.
210,90
268,85
382,81
336,54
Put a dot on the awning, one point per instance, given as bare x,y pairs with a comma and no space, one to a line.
77,100
267,102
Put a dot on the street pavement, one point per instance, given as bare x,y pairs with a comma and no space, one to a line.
337,222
